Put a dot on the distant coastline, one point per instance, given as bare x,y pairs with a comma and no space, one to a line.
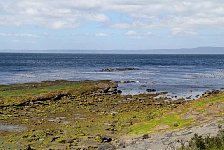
197,50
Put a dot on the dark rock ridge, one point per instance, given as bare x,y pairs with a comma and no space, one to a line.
118,69
151,90
211,92
109,91
127,81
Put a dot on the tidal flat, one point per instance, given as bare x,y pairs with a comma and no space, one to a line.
90,114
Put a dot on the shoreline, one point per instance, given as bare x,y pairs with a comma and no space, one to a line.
89,114
192,95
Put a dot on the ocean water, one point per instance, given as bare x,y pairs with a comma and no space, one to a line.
181,75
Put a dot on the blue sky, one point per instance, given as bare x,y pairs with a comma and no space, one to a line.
110,24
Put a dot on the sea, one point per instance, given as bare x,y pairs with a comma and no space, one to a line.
179,75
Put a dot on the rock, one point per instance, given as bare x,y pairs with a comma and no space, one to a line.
54,138
119,91
197,96
163,93
106,146
70,140
28,147
59,96
158,104
110,90
105,139
106,90
151,90
118,69
145,136
189,97
175,124
128,81
122,144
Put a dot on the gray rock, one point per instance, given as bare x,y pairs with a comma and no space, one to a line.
106,146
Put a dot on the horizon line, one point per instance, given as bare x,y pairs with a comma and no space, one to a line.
196,50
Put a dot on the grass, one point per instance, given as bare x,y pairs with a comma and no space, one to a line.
173,119
205,101
16,91
166,122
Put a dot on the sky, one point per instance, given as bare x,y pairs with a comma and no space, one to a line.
110,24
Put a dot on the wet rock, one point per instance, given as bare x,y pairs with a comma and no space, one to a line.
106,146
118,69
197,96
111,90
151,90
119,91
127,81
163,93
189,97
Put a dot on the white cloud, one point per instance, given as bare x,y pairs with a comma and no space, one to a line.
171,14
19,35
53,14
131,33
138,35
148,33
24,41
182,31
101,34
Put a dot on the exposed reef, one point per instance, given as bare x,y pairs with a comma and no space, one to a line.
118,69
93,115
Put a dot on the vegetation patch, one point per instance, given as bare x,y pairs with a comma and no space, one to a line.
166,122
199,142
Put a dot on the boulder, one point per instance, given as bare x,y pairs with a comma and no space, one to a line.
145,136
105,139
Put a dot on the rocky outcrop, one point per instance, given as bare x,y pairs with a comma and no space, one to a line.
118,69
151,90
108,91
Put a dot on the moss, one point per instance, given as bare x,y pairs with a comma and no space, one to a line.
165,122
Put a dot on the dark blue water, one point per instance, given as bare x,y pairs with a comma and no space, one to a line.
177,74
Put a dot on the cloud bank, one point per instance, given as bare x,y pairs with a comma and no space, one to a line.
179,16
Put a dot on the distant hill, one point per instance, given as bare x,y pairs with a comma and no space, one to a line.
198,50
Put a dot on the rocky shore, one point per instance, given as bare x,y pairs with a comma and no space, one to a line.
95,115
